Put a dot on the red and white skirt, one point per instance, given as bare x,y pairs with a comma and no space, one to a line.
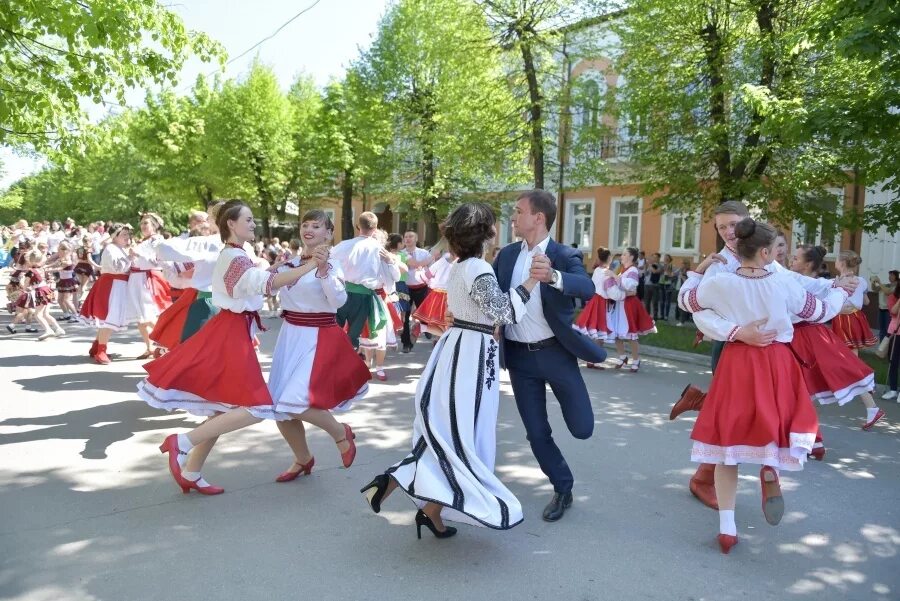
434,309
639,321
167,331
386,336
592,320
66,285
757,410
211,372
854,330
834,375
148,295
106,304
314,366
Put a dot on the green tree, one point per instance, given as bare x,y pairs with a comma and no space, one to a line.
56,52
249,125
725,101
457,127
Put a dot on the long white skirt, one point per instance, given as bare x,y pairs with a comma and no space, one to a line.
117,314
454,435
292,365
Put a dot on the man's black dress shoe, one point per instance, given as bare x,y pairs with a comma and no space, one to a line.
557,506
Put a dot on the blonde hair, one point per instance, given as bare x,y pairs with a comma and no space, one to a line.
35,257
850,259
367,221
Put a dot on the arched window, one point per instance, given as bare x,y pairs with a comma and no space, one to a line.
591,101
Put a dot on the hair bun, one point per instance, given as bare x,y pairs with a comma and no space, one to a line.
745,228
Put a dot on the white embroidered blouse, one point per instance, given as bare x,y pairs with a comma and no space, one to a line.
237,284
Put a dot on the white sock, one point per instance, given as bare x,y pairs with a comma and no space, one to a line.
184,443
726,522
870,413
192,476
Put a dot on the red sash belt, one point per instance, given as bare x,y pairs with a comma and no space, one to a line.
253,316
116,276
310,320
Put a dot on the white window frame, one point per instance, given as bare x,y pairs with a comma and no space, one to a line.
613,220
798,229
569,223
505,234
666,237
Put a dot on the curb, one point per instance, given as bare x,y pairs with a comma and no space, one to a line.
672,355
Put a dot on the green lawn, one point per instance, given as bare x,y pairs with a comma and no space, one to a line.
682,339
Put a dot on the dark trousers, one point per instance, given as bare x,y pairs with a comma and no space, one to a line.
894,358
416,298
717,347
354,312
884,318
651,298
530,372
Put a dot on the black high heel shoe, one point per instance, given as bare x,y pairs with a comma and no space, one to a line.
375,491
423,520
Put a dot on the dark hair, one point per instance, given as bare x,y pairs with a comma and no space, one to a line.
541,201
116,228
603,254
753,235
467,228
814,255
394,241
319,216
631,250
732,207
229,212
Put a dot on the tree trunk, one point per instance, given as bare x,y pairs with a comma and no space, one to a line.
535,114
714,67
263,193
347,205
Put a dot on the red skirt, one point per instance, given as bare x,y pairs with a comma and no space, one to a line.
434,309
67,285
170,325
854,330
159,288
592,320
639,321
214,370
96,305
834,375
758,410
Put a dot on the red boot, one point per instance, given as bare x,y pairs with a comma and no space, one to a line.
93,350
100,356
691,400
703,485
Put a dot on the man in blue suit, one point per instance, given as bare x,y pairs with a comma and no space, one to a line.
542,348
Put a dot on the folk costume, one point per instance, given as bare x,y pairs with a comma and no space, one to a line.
314,364
148,292
457,397
106,305
851,325
630,320
433,310
360,258
594,320
216,369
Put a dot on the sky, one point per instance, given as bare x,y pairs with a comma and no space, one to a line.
322,42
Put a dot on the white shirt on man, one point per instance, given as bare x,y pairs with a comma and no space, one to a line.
533,326
416,276
361,260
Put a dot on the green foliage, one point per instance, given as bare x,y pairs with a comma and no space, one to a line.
54,53
750,101
456,125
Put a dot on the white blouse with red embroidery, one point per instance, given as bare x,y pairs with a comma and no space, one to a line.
774,297
606,285
237,284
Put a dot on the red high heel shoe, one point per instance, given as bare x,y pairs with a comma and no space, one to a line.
289,476
772,501
349,455
203,490
170,446
726,542
818,453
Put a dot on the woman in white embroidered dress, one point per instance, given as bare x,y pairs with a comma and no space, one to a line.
216,370
450,472
148,292
629,320
106,305
758,409
314,368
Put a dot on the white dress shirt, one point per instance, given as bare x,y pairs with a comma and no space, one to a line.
533,326
361,260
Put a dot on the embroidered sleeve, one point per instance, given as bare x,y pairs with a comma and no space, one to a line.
497,305
243,279
612,291
809,307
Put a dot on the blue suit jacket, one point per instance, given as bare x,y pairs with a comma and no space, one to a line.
559,306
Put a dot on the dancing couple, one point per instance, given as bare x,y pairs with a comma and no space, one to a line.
528,293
